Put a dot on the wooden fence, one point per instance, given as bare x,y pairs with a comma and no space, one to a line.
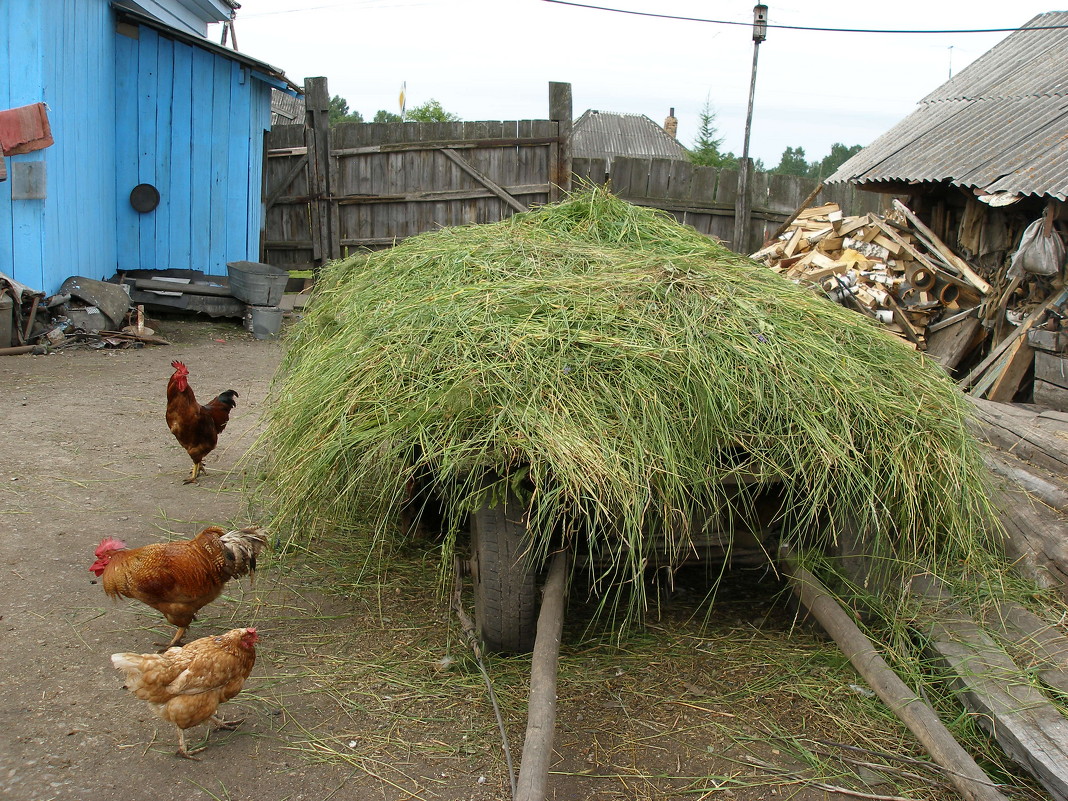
706,197
357,185
329,190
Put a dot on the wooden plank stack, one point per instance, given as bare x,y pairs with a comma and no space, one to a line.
891,268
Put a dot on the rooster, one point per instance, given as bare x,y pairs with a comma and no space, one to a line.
178,578
186,685
196,426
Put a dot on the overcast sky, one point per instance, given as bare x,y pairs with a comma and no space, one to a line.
494,59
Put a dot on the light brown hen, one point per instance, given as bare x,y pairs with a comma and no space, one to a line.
186,685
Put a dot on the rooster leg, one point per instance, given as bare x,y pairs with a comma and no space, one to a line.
183,751
197,467
228,725
176,640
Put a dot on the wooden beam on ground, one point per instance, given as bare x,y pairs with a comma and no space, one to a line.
1020,435
1043,642
153,285
996,691
541,706
1051,489
949,344
969,779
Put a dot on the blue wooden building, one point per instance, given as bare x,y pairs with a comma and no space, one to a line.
135,99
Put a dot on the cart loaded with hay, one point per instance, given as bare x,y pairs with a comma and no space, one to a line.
592,390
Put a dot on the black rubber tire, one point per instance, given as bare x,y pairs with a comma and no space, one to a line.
506,591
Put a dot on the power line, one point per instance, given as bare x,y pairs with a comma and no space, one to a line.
802,27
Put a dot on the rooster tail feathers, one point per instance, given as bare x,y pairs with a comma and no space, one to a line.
242,546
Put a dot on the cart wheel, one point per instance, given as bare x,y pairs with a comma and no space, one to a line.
506,593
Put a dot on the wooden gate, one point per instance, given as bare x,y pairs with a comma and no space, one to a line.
333,190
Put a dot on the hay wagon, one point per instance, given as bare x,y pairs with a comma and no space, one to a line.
591,380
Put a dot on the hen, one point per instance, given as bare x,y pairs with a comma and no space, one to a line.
178,578
186,685
196,426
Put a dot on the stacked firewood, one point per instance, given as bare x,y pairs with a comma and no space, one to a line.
892,268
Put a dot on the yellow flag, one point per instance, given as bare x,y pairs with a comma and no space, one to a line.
404,87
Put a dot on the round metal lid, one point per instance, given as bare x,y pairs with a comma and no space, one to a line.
144,197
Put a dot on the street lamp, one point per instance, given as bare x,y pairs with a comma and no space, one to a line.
741,216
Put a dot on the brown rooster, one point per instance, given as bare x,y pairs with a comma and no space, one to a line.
196,426
178,578
186,685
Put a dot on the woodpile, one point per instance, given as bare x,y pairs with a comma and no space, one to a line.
1003,342
893,268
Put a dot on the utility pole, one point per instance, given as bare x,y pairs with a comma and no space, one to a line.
741,205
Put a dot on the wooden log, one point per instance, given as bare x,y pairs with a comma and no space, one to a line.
1035,538
996,691
1004,427
541,706
1043,642
969,779
18,349
1046,487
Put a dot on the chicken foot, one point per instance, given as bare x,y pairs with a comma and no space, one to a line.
220,725
225,725
184,752
198,468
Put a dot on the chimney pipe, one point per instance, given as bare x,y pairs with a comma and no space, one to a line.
671,125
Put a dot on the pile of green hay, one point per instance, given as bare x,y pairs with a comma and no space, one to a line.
616,367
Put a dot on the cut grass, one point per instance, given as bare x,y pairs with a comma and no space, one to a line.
617,369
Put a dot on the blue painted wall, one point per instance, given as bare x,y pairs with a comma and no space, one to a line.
128,105
61,54
191,123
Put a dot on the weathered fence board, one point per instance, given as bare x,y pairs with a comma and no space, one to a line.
330,191
705,197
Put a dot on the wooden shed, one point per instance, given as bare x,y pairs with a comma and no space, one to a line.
157,140
981,159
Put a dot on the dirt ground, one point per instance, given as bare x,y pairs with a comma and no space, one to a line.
364,687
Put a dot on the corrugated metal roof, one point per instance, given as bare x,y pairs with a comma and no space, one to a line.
286,109
604,134
1000,124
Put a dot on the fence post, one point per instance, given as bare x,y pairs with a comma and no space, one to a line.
317,138
560,112
743,205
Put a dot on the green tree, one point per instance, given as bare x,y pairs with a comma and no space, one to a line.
430,111
705,150
793,162
339,111
386,116
836,158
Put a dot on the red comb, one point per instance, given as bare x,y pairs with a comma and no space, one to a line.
177,365
108,544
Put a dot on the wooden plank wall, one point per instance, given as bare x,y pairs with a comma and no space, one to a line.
704,197
61,54
389,181
191,123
